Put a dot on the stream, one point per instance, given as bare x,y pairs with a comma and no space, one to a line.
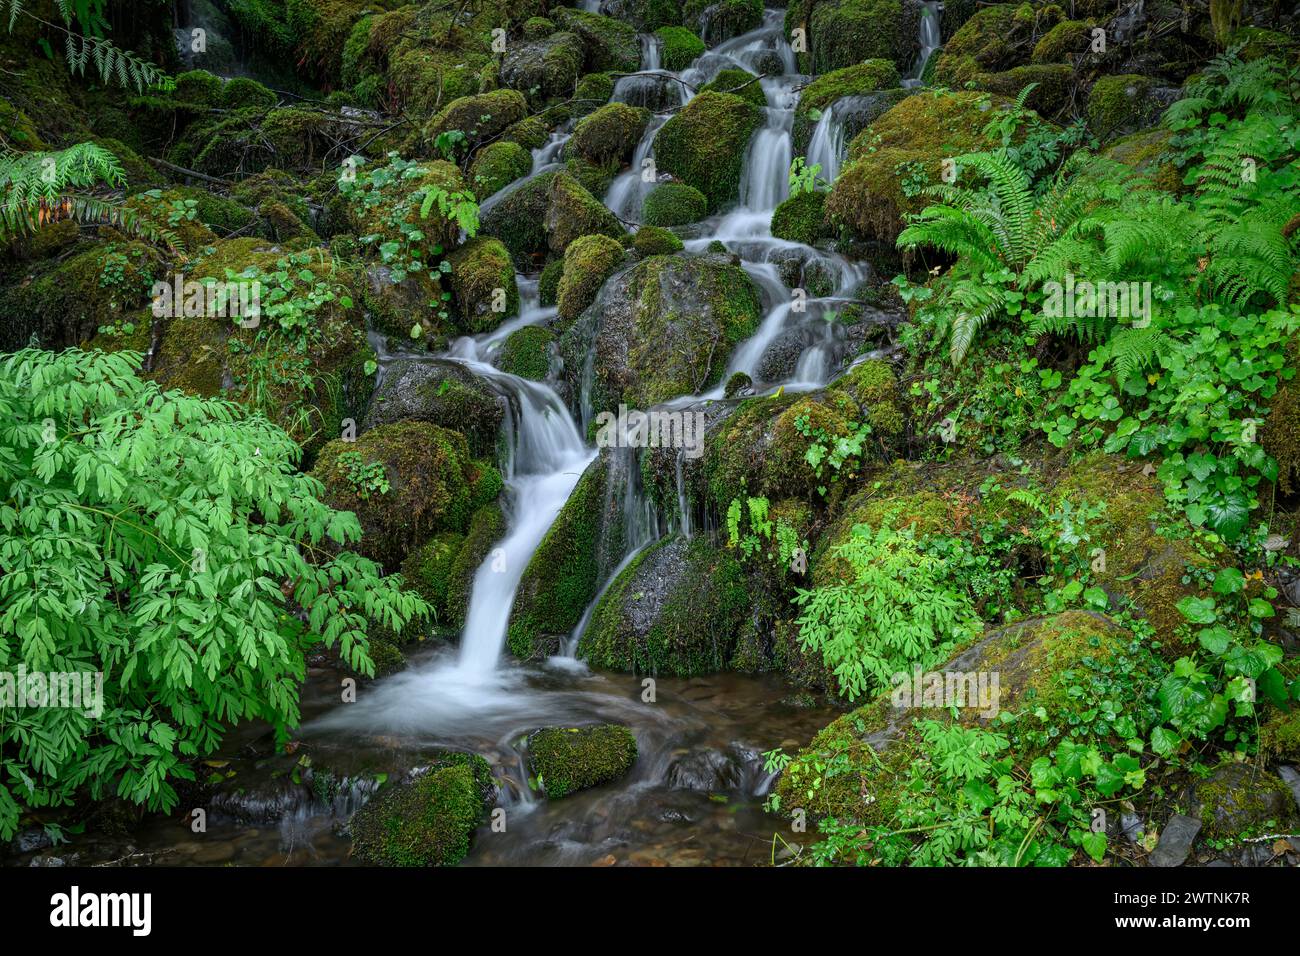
695,793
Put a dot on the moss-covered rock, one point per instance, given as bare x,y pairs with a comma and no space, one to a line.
563,573
405,482
1279,736
427,569
610,45
912,139
1240,800
1067,42
661,329
611,133
526,352
427,821
653,241
593,92
678,47
588,262
874,387
497,165
443,393
483,285
738,82
545,214
481,118
545,68
1148,153
1121,104
548,283
673,204
564,760
646,15
704,145
719,20
801,218
824,91
680,608
992,41
873,748
846,32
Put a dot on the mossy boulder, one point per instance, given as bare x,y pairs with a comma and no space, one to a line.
564,760
564,572
443,393
874,387
991,41
548,283
1067,42
738,82
1240,800
497,165
610,134
387,214
674,204
588,262
483,284
876,746
481,118
541,217
826,90
911,139
1122,104
801,218
646,15
719,20
678,47
846,32
526,352
427,569
593,92
653,241
1148,152
406,482
661,329
704,145
680,608
1053,84
544,68
429,820
610,45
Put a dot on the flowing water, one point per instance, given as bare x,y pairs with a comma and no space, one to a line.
695,793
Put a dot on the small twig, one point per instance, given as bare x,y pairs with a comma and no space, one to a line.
191,172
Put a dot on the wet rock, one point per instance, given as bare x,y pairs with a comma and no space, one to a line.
1291,778
564,760
1239,799
30,840
444,393
707,771
1175,841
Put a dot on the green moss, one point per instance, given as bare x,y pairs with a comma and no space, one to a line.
594,178
572,212
526,353
854,80
993,41
544,215
611,45
850,31
1148,153
1279,736
674,204
915,135
679,47
593,91
483,285
739,82
1068,41
1241,801
564,760
647,15
588,262
704,145
1121,104
274,185
719,20
428,821
561,577
679,609
801,218
611,133
530,133
427,569
430,477
548,285
535,28
1053,83
481,118
874,387
653,241
545,68
497,165
486,528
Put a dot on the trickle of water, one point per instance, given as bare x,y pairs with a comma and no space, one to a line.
929,36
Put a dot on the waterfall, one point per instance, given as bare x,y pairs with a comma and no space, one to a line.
826,149
928,34
766,181
629,188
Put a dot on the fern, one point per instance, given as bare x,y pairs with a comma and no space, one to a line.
85,45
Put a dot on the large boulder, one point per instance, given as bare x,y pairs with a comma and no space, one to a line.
588,262
540,217
480,118
443,393
497,165
610,134
841,33
544,68
680,608
610,45
483,285
661,329
428,820
705,144
913,138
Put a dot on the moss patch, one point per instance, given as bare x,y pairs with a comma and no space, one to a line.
704,145
564,760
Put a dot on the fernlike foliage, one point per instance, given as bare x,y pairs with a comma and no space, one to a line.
84,44
899,611
168,542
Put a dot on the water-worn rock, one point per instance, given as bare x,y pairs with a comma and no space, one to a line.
444,393
1176,841
564,760
704,145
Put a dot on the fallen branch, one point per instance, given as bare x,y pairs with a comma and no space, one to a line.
181,170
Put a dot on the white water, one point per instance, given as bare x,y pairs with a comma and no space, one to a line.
929,35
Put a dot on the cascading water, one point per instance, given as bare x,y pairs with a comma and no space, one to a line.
930,39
